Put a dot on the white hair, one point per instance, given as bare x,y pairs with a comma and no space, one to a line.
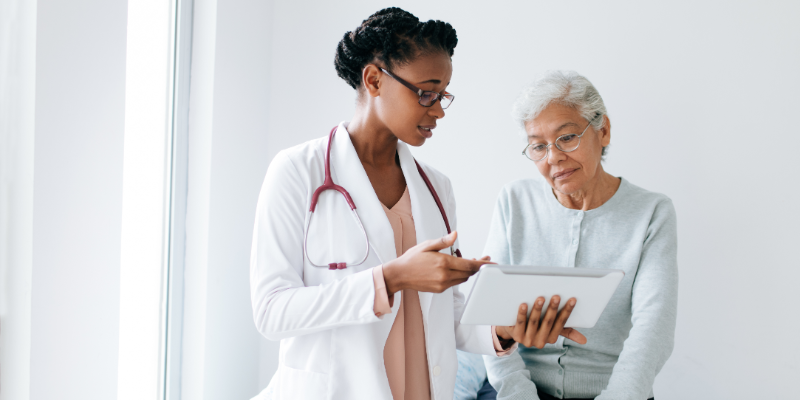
567,88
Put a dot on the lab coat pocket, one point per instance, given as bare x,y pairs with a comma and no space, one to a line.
302,384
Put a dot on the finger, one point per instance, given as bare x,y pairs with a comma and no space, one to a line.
439,244
561,320
486,258
458,274
547,322
573,335
460,264
454,282
533,322
519,328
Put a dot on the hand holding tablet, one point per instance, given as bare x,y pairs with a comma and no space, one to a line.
535,331
503,295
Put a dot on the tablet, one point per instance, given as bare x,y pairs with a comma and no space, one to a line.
500,289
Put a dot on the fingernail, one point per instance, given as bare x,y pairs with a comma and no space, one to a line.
539,302
572,302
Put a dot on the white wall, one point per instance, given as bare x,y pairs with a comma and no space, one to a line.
77,200
694,91
227,141
236,163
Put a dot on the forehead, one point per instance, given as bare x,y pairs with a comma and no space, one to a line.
555,120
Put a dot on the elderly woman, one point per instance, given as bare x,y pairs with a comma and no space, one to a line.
580,216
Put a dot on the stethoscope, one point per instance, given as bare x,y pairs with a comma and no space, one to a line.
329,185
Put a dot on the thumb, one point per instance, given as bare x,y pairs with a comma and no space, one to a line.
441,243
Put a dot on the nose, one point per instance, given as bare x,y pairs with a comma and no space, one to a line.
436,110
555,155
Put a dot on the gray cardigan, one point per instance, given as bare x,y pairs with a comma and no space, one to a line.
634,231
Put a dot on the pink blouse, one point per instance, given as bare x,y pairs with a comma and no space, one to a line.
404,354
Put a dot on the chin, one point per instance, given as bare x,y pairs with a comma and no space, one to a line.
567,187
414,140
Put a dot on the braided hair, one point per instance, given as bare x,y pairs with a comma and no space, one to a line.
394,37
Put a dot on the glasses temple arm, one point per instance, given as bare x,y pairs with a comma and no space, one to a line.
404,83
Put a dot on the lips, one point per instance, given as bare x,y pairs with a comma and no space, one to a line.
564,174
426,130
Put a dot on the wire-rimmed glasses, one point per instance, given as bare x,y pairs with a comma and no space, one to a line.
566,143
427,98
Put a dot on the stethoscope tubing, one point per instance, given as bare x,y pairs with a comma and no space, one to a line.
341,265
328,184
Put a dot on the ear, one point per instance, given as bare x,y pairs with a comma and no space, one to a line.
371,80
605,133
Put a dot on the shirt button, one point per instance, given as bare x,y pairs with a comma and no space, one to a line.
574,241
437,371
558,392
560,372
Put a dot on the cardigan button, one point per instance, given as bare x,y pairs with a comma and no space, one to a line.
437,370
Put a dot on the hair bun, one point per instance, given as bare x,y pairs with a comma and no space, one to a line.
392,36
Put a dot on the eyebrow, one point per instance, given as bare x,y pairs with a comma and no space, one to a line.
565,125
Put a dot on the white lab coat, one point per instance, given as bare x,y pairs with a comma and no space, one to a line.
331,341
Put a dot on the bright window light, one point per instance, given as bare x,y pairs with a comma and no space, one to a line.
146,199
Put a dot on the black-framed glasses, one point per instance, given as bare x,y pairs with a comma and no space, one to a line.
566,143
427,98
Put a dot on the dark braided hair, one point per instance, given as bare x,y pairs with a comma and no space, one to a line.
394,37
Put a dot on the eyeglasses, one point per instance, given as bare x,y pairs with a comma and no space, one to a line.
427,98
566,143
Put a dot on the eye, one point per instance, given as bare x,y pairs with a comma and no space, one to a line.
428,98
568,138
538,147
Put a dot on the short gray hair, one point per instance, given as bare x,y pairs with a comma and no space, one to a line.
567,88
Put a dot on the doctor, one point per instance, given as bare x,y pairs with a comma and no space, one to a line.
361,291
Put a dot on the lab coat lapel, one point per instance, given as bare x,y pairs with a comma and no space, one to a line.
349,173
428,221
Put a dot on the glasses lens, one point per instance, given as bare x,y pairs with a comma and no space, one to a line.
568,142
447,99
536,152
428,98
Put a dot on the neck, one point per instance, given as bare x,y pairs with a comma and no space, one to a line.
594,194
375,144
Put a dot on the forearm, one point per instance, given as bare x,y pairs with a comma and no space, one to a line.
644,353
510,378
293,311
650,341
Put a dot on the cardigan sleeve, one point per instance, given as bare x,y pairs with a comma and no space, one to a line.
654,303
507,375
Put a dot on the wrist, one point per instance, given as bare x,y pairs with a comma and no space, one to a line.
502,333
391,278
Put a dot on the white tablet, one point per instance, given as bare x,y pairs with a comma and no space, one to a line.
500,289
